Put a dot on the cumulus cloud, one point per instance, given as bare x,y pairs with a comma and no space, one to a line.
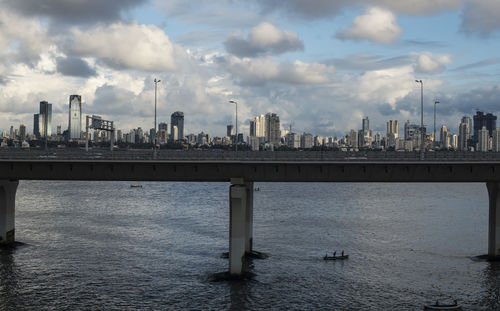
481,17
74,11
377,25
124,46
76,67
260,71
431,63
265,38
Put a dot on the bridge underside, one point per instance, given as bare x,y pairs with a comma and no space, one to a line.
251,171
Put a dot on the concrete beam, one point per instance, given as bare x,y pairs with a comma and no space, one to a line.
241,220
7,210
494,219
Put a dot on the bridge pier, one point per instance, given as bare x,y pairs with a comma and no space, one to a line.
494,219
240,223
7,210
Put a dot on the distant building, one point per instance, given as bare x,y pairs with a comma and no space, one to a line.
177,120
306,141
487,120
22,132
230,130
483,142
463,136
75,117
292,140
393,128
272,129
496,140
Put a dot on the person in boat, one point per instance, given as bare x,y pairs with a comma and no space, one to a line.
335,252
342,253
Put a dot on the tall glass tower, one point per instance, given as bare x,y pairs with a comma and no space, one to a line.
177,119
75,117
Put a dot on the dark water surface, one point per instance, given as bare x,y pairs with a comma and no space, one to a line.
104,245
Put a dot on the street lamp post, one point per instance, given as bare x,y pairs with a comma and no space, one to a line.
435,103
154,142
234,102
422,146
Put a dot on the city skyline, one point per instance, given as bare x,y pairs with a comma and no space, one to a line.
321,66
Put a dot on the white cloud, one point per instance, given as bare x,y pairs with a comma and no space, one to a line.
430,63
265,38
260,71
377,25
124,46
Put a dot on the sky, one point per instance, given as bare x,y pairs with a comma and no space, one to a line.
320,65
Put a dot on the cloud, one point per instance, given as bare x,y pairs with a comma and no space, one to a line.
74,11
260,71
76,67
377,25
431,63
481,17
265,38
126,46
482,63
326,8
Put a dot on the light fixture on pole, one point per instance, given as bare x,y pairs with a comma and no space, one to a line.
234,102
422,145
154,141
435,103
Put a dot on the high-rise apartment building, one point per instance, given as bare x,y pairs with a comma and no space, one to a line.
177,120
75,117
496,140
22,132
463,136
258,126
272,128
487,120
443,133
393,128
483,142
230,130
306,141
42,122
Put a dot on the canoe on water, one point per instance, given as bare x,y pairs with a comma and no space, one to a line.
335,257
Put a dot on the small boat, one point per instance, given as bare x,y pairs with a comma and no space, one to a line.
135,186
437,306
341,257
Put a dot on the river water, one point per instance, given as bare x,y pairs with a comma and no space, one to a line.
106,246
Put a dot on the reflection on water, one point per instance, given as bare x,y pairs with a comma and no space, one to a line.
104,245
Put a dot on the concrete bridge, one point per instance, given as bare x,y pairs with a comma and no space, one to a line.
242,174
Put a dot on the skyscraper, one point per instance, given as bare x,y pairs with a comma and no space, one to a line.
46,111
393,128
483,141
22,132
177,119
75,117
272,128
257,126
496,140
230,130
487,120
463,136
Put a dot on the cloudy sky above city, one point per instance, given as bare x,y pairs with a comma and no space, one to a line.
321,65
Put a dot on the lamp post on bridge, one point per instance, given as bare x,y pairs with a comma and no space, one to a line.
422,145
234,102
435,103
154,141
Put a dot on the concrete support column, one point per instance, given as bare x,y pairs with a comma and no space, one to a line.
241,220
494,219
7,210
249,218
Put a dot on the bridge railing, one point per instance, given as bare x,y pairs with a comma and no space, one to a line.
212,155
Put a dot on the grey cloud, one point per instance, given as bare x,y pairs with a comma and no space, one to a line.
481,17
483,63
366,61
265,38
75,67
306,9
74,11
